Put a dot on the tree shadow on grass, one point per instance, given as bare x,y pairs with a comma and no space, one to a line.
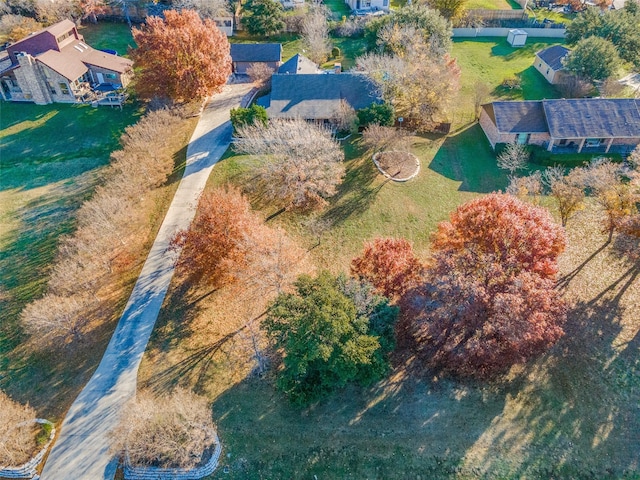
467,157
356,193
574,412
403,427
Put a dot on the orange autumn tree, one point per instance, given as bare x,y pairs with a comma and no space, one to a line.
490,300
389,264
214,245
180,57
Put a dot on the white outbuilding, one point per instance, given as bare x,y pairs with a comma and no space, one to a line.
517,38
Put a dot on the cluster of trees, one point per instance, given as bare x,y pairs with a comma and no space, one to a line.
169,431
18,439
615,187
411,65
198,66
111,228
602,39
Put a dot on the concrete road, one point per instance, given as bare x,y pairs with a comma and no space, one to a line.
81,452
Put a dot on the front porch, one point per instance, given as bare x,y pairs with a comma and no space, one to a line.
588,146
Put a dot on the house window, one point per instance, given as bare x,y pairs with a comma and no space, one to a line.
385,3
64,88
110,76
64,35
562,142
540,65
548,69
594,142
522,138
51,88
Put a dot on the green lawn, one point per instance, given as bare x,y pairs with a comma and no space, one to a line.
50,157
490,61
492,5
108,35
570,414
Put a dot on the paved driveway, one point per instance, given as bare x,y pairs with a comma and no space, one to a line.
81,452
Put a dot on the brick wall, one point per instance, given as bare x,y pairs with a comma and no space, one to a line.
491,131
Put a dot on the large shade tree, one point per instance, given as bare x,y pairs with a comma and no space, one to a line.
180,57
490,300
331,331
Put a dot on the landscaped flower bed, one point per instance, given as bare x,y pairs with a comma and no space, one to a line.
396,165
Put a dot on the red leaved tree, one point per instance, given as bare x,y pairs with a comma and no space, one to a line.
213,247
389,264
180,57
490,300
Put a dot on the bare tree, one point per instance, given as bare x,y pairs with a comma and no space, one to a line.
345,119
55,318
514,157
616,196
480,93
525,187
377,138
418,82
566,190
172,431
315,34
260,74
18,439
572,86
301,164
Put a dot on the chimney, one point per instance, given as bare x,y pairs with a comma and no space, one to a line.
337,67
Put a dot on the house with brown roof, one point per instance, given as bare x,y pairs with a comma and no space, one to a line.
56,65
589,125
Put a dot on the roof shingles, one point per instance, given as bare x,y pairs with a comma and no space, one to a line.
593,118
553,56
318,96
256,52
519,117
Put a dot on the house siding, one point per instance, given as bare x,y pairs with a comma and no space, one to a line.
547,72
55,79
491,131
494,136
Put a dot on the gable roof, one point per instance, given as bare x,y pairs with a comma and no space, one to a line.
298,64
553,56
318,96
72,60
68,66
256,52
593,117
518,117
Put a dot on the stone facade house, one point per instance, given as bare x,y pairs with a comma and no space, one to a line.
589,125
549,62
243,55
56,65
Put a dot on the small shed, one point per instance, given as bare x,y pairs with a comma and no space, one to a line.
517,38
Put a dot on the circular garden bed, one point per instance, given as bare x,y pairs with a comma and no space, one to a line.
396,165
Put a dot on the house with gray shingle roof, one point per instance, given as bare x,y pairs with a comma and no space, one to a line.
590,125
549,62
319,96
300,65
56,65
243,55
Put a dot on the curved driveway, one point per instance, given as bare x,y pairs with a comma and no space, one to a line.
81,452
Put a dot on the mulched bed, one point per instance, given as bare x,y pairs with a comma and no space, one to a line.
398,166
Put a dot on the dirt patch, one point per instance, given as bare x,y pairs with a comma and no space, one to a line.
398,166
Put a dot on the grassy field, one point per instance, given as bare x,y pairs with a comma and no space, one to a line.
492,5
570,414
109,35
490,61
